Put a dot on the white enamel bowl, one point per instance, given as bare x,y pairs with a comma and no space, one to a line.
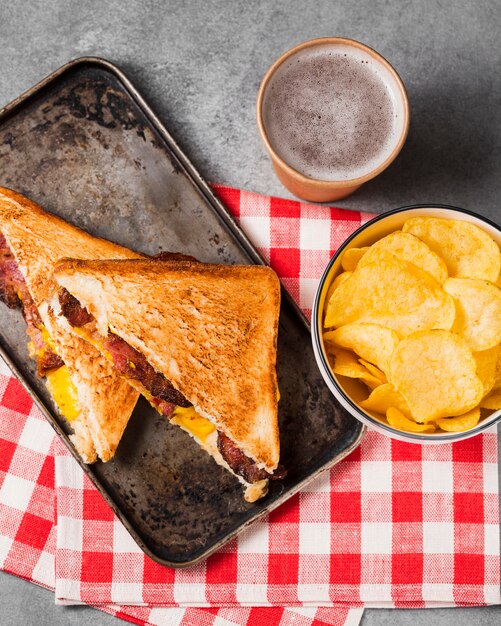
349,392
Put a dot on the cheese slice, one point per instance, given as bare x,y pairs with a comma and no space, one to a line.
47,339
64,392
60,384
98,344
188,419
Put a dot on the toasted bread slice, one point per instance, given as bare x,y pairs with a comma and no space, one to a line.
211,330
37,240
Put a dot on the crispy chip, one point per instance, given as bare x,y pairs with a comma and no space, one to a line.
461,422
478,305
467,250
384,397
373,382
346,363
492,401
436,373
374,370
392,293
340,278
497,382
398,420
372,342
487,367
351,257
408,248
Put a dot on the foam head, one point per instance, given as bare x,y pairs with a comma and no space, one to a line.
333,112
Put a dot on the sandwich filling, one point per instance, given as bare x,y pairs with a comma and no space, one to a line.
15,294
133,365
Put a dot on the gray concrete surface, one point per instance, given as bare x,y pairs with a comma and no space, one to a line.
199,65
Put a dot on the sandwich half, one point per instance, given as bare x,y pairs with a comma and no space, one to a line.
88,391
199,341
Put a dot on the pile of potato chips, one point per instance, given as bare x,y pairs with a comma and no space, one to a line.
417,318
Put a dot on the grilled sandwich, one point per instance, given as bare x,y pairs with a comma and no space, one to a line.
85,386
197,340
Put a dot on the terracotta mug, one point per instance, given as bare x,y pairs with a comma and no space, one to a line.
313,189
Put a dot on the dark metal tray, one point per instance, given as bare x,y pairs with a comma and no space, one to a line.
85,145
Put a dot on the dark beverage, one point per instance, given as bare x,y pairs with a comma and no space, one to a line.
331,112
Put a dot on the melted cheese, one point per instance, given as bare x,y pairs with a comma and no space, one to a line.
93,342
48,343
64,392
194,423
59,380
47,339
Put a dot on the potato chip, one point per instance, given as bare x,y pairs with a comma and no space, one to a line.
497,381
374,370
384,397
345,363
467,250
436,373
487,367
340,278
392,293
492,401
478,306
351,257
334,285
408,248
461,422
398,420
372,342
373,382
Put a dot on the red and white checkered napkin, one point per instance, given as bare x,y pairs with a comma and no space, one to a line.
28,530
392,525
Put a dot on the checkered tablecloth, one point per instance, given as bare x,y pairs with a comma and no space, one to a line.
393,525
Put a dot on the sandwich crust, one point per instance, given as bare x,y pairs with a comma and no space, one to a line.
38,240
210,329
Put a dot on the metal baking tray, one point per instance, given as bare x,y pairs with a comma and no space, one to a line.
85,145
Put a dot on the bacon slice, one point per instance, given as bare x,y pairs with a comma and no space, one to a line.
47,361
174,256
75,313
133,364
165,408
242,464
12,283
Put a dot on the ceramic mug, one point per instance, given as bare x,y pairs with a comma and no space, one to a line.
318,190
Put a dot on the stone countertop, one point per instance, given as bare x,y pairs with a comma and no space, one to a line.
199,65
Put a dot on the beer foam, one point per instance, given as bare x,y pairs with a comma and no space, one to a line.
333,112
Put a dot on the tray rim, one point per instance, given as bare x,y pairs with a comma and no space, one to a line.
217,205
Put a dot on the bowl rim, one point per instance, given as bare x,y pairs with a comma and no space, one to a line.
325,368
